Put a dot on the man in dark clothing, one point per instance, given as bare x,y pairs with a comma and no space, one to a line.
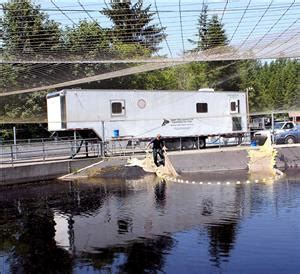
158,146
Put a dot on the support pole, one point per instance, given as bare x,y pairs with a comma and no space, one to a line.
15,135
272,120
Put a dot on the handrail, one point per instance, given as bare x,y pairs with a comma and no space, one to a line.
91,147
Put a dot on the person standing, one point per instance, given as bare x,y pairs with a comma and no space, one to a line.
158,150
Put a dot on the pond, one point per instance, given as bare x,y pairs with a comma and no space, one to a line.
149,225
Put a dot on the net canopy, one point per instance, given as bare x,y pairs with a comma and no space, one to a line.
50,44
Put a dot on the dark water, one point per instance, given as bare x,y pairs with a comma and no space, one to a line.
151,226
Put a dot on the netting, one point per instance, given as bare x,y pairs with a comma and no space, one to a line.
148,165
262,161
81,34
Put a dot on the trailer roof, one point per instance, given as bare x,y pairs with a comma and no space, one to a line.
137,90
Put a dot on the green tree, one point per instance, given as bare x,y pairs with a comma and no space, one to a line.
87,40
215,35
272,86
202,42
248,73
27,31
221,75
131,24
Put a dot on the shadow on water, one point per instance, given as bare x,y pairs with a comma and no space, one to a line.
127,226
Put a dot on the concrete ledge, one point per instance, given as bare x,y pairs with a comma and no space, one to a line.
209,160
288,157
41,171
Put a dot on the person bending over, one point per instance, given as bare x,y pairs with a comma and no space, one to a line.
158,150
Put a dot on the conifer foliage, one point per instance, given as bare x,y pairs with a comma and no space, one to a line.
131,24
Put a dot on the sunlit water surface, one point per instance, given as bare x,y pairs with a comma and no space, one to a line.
148,225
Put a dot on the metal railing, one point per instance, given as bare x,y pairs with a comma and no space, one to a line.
54,149
121,146
50,150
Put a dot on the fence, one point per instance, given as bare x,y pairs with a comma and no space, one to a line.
53,149
50,150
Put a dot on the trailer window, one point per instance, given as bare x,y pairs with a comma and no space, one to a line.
236,123
116,108
235,106
201,107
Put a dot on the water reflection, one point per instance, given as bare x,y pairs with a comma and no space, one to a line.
222,238
140,256
160,189
29,239
132,226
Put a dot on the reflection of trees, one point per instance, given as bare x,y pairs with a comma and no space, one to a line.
9,225
80,199
33,248
147,256
77,201
222,238
144,256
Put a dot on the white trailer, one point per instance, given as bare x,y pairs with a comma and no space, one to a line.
142,114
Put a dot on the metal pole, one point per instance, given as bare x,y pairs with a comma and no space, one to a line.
71,150
15,135
98,150
12,154
43,150
103,131
248,109
86,149
272,120
103,139
132,148
180,143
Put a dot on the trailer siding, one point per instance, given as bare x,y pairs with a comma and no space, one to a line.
146,113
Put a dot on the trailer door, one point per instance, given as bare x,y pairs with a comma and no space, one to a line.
56,111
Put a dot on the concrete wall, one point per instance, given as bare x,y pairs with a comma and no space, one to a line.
209,160
41,171
288,157
234,159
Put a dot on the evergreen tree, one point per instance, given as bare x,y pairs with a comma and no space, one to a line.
215,35
131,24
201,43
248,73
210,34
28,31
221,75
87,40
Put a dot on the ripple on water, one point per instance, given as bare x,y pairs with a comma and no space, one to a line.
151,225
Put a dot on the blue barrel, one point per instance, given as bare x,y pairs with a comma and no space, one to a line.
116,133
253,143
